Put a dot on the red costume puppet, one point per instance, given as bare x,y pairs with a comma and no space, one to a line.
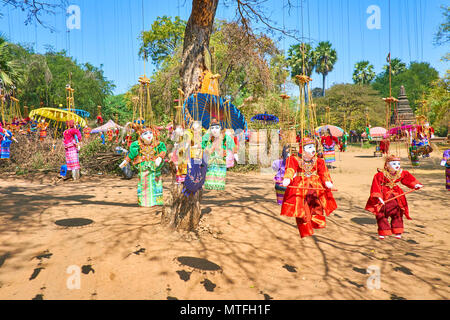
384,188
308,196
384,145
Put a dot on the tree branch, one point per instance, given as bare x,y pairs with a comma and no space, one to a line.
34,9
246,10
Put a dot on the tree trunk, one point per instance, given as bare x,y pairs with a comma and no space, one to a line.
196,44
323,84
181,212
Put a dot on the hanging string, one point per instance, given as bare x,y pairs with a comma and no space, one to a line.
407,12
309,23
416,31
82,37
348,33
423,14
400,33
389,31
341,11
9,24
318,20
361,29
326,6
132,38
116,22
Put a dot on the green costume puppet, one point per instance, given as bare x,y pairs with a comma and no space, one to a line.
147,154
216,144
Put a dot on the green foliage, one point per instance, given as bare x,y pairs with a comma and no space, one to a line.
41,79
248,65
325,58
443,34
11,71
417,79
92,148
397,67
301,59
438,100
117,105
163,39
351,101
363,73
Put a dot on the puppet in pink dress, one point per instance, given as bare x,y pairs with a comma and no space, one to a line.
72,138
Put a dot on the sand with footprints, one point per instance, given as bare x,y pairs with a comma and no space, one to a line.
90,240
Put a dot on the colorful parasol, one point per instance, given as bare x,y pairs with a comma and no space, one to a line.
57,115
104,128
203,106
265,117
376,132
81,113
335,131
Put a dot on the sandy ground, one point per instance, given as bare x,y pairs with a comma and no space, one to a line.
244,249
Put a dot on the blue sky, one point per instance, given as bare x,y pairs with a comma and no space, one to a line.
110,28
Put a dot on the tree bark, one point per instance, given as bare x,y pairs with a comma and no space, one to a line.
323,85
181,212
196,43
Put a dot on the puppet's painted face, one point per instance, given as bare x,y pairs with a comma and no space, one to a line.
196,125
395,165
179,131
309,151
229,132
147,137
215,131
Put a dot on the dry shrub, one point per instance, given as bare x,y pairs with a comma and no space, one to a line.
30,155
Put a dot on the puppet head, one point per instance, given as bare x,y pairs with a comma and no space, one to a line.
146,136
392,163
70,124
309,148
196,126
215,127
286,152
179,131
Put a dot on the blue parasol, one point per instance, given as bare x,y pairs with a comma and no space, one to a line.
202,107
79,112
265,117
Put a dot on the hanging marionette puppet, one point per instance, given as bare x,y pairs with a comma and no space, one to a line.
308,196
42,130
6,138
329,143
385,144
232,154
446,163
87,132
387,199
344,142
279,166
215,144
180,153
147,153
110,133
72,139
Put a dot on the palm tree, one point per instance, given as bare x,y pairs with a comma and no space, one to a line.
10,70
325,59
301,59
363,73
397,66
